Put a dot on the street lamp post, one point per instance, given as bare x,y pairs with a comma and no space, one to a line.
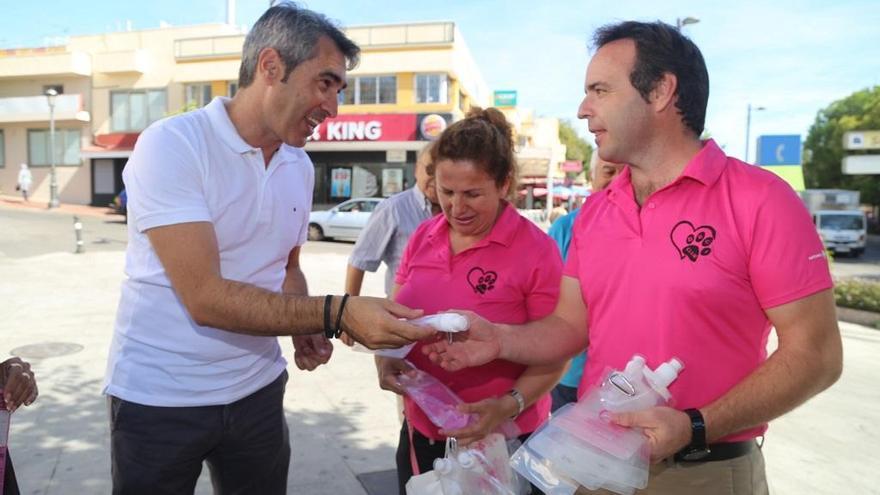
680,23
748,129
51,94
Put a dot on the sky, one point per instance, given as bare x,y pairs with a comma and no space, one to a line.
791,57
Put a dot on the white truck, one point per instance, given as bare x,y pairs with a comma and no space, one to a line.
842,226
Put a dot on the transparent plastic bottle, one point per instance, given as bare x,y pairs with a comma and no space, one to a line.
475,479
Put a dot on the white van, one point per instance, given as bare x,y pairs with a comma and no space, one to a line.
842,231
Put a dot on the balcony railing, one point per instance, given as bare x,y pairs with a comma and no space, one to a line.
127,61
208,47
403,34
20,109
49,64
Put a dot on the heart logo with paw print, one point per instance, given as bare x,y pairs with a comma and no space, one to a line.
480,280
692,242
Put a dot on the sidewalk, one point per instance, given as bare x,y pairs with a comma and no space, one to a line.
10,201
341,424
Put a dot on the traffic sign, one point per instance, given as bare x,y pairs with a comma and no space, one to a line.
793,174
861,140
861,164
505,98
779,150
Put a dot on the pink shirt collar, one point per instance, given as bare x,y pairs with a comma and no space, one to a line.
705,168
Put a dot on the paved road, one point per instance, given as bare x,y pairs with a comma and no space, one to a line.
342,425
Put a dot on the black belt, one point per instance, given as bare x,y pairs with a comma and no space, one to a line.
724,451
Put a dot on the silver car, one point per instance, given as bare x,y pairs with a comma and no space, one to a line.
344,221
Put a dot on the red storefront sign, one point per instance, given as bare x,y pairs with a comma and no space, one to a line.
370,127
572,166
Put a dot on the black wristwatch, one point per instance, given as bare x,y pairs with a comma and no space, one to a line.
698,448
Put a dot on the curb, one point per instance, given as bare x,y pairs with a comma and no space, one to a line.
859,317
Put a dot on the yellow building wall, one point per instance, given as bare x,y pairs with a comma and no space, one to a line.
218,88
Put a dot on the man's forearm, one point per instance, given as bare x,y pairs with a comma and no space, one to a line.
786,380
547,341
244,308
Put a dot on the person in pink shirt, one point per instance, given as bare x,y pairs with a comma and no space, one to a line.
689,254
480,254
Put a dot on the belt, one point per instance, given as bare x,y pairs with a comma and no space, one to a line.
724,451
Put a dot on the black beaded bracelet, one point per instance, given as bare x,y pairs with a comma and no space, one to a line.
338,330
328,330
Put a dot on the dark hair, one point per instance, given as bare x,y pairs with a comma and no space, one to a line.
661,48
294,32
483,137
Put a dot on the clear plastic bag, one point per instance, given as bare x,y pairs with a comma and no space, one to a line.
435,399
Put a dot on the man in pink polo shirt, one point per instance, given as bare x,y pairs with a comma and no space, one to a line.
688,254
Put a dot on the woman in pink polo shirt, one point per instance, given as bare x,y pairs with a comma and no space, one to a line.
480,255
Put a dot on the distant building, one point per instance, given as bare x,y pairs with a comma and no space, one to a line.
413,80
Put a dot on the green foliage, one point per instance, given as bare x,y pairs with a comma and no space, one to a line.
823,148
858,294
576,148
190,106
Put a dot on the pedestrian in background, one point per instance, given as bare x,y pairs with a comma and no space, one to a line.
25,178
601,175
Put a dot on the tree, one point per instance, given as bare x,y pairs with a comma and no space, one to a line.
576,148
823,148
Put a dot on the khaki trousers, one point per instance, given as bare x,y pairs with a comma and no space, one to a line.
743,475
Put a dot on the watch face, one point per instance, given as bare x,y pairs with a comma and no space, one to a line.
695,454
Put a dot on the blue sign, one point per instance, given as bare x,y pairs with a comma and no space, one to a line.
779,150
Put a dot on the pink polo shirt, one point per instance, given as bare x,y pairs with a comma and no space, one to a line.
691,273
510,276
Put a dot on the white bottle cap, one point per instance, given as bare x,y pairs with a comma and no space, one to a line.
443,465
666,373
635,363
467,460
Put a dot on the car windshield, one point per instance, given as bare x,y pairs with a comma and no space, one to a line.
841,222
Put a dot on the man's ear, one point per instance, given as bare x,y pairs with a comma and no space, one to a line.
270,66
663,95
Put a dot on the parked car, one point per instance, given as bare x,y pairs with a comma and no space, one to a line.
843,231
344,221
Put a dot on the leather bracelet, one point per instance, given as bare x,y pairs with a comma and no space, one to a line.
337,331
328,330
520,401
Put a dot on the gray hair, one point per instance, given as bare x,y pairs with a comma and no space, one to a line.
294,32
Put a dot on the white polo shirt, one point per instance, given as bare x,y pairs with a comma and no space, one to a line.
196,168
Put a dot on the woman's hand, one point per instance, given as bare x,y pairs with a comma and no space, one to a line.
20,385
491,413
389,369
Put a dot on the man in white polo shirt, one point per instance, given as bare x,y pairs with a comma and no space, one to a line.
218,203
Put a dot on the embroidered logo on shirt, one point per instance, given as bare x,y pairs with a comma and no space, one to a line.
692,242
480,280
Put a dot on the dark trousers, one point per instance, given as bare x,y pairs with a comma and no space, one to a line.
425,452
160,450
10,484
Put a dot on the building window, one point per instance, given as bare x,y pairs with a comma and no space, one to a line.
368,90
231,88
198,94
432,88
2,149
132,111
67,147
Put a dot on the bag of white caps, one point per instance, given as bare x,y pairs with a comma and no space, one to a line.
483,468
581,446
